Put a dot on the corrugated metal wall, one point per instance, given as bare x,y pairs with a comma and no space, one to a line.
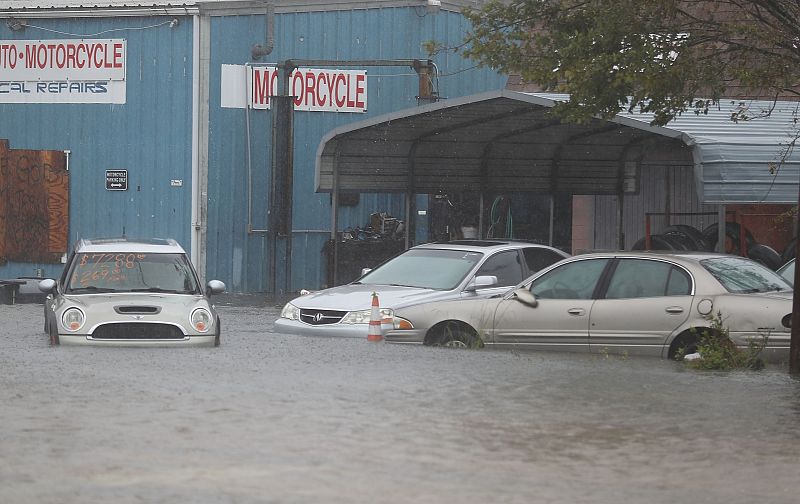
658,185
150,135
241,259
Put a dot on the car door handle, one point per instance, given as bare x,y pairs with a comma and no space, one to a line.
576,311
674,309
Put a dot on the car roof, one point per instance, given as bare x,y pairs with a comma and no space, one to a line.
125,244
482,245
685,257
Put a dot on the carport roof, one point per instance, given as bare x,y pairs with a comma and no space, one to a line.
507,141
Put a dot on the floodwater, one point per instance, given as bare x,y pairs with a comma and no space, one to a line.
271,418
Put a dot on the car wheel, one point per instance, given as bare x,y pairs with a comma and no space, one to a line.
454,334
686,343
219,332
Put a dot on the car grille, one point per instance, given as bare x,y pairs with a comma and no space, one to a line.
147,310
137,331
321,317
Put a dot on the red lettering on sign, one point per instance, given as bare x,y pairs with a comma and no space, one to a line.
340,96
262,86
71,63
322,99
61,55
117,55
309,91
360,90
298,95
350,101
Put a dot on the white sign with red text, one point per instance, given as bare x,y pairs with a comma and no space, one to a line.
315,90
63,71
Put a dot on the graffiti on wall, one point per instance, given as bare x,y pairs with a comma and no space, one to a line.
34,205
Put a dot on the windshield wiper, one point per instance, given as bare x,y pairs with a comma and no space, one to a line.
91,288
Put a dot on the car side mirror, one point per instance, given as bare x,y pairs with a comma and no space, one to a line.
481,282
526,297
214,287
48,285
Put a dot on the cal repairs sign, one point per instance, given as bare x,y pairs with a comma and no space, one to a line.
63,71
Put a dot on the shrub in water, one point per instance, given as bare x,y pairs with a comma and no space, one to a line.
719,352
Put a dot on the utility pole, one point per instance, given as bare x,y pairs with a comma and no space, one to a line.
794,344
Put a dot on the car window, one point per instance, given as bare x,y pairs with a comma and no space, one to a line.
787,272
637,278
505,266
125,272
574,280
425,268
740,275
539,258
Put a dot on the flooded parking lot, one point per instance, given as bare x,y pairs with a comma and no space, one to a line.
268,417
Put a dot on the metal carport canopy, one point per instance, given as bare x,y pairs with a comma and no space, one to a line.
507,141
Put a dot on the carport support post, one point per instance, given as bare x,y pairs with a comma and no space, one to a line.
794,342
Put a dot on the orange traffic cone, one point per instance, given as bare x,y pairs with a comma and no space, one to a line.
375,333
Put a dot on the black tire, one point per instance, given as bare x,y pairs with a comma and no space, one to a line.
765,255
217,340
694,235
732,230
657,242
687,341
454,335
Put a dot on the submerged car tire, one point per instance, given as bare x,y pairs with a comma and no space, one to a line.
687,341
454,334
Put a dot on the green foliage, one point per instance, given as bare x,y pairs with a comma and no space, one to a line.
720,353
661,56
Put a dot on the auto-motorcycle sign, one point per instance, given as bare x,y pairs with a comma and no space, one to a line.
63,71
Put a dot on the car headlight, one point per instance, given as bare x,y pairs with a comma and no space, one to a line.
363,316
72,319
290,312
201,320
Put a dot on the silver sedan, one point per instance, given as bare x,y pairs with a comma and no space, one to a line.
463,269
625,302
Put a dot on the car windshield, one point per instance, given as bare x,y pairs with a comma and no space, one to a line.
425,268
131,272
744,276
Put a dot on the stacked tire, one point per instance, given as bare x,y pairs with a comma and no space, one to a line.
681,237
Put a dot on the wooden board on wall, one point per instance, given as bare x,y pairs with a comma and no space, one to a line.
34,205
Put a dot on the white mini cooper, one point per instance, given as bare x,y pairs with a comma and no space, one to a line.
130,292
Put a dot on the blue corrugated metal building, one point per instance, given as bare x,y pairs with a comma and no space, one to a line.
198,168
